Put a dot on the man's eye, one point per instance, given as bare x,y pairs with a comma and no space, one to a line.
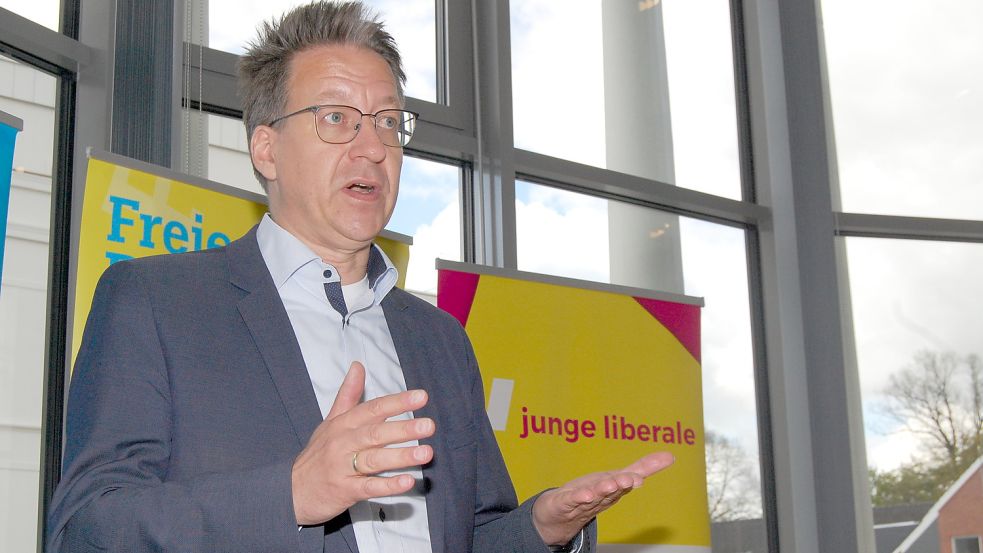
335,118
387,122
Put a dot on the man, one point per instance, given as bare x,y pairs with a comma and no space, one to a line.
279,394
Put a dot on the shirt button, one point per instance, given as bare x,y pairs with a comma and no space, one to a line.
327,273
382,515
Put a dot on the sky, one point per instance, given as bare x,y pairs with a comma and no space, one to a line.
907,113
907,110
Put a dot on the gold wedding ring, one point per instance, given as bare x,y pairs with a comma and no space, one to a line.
355,464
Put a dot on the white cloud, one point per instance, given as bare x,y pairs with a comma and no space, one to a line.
425,179
573,243
558,100
910,296
441,238
715,268
906,106
39,11
890,451
701,91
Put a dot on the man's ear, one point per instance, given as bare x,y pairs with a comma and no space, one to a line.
261,151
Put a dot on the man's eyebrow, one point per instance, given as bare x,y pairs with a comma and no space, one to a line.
340,95
393,101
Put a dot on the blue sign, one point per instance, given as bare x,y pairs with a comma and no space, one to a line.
8,133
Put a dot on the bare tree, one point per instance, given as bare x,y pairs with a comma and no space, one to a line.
733,489
940,397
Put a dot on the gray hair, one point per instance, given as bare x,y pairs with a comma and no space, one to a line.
264,68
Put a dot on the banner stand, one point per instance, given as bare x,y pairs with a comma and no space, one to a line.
582,377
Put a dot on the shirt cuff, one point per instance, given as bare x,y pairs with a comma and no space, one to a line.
573,546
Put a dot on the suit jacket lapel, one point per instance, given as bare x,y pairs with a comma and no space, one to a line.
406,337
263,313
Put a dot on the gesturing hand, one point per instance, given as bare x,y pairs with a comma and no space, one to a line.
559,514
324,478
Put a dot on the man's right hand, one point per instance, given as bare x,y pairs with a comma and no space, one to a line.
324,480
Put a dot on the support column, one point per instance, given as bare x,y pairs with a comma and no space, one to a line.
644,245
495,162
817,430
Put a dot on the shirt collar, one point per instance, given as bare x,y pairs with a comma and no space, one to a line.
285,255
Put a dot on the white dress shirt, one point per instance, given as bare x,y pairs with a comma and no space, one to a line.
331,337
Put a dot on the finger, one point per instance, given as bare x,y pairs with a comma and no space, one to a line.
381,408
651,464
605,503
350,392
598,502
377,435
567,500
607,485
379,486
627,480
620,484
375,461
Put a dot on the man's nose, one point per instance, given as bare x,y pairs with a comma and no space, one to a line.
367,142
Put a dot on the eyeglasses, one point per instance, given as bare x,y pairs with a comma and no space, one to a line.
340,124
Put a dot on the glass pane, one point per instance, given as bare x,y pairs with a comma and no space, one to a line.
966,545
232,24
917,311
228,153
623,93
29,95
574,235
42,12
907,98
428,210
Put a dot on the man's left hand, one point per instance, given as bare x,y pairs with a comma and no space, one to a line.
559,514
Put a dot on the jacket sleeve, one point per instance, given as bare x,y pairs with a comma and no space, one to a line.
115,494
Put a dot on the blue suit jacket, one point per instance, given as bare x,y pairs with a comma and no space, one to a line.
190,400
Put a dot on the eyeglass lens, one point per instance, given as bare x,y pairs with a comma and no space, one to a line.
340,124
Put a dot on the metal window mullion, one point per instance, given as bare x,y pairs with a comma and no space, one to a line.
752,240
457,64
908,228
59,280
495,160
762,391
58,53
610,184
56,332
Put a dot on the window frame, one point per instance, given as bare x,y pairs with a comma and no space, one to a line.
61,55
805,367
957,539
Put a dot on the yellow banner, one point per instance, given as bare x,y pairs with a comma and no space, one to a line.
581,380
129,212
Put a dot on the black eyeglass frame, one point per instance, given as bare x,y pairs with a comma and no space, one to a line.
412,116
